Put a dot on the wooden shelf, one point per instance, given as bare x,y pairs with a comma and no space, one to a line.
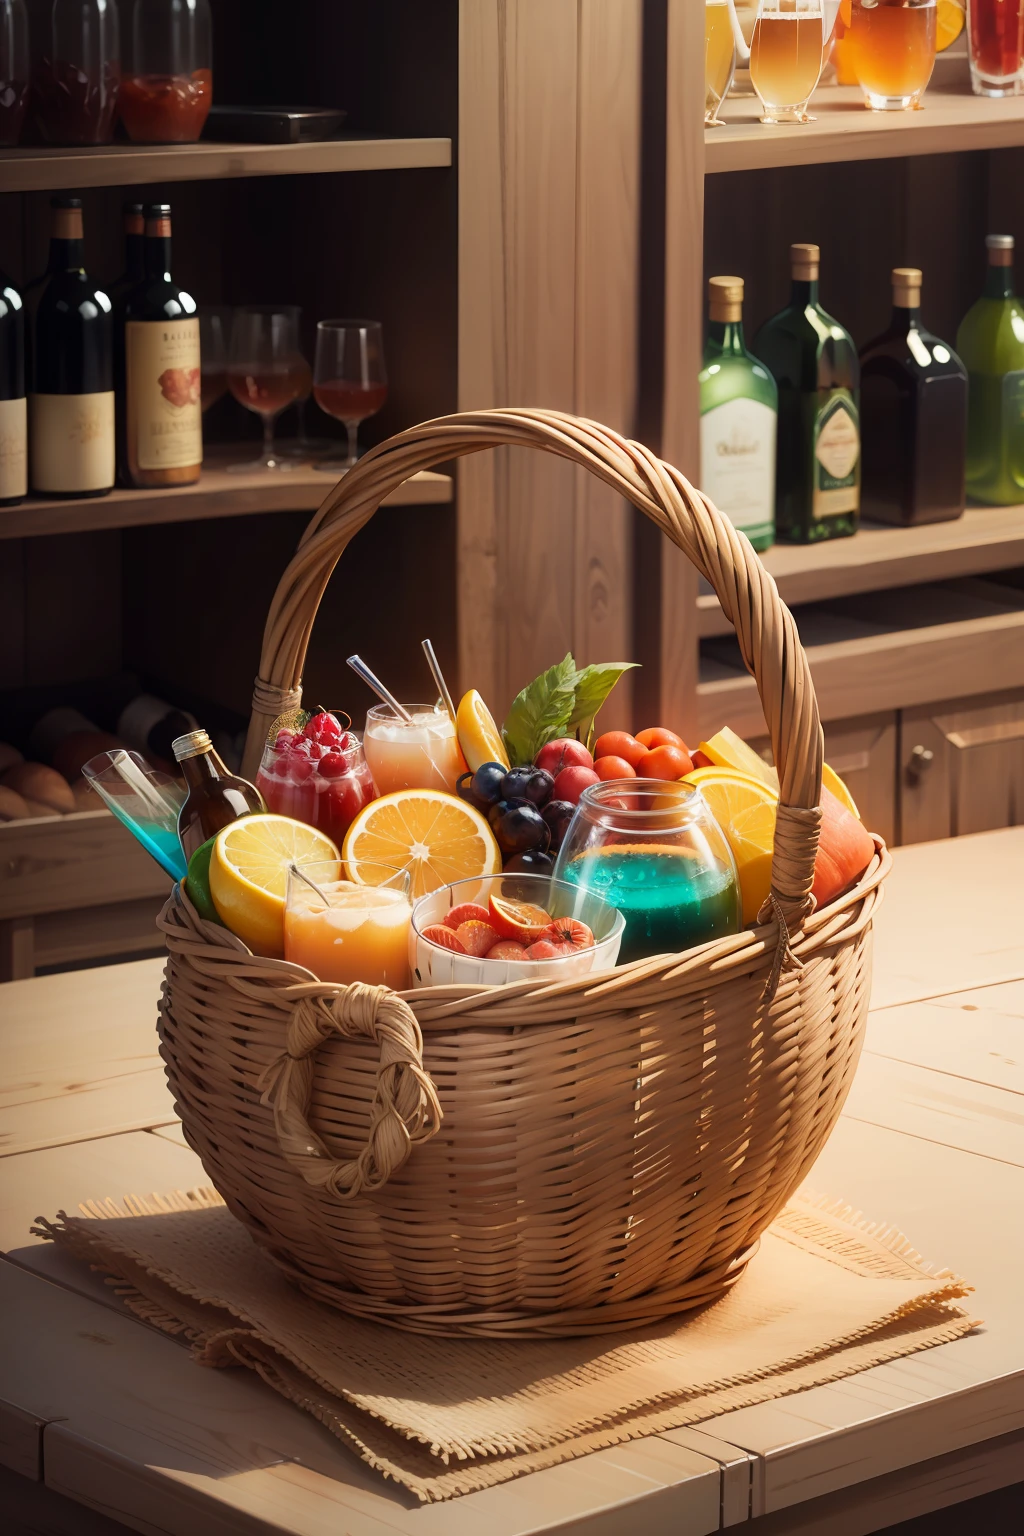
218,494
951,119
861,665
44,169
984,539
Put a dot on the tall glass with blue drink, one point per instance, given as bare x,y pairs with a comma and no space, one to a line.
147,802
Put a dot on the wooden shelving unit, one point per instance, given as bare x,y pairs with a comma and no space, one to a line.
984,539
217,494
951,120
110,165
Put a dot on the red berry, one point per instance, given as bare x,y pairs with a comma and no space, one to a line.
476,938
284,740
333,765
438,934
300,769
507,949
466,912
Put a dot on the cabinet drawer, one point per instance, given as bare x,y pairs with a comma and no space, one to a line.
58,863
962,767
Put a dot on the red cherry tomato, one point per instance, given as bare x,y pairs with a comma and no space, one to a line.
665,762
614,768
657,736
619,744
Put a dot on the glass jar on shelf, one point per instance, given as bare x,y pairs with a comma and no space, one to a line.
167,83
76,70
14,69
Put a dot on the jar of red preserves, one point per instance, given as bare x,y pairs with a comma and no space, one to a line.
167,82
76,70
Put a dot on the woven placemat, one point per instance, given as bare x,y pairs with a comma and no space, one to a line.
827,1295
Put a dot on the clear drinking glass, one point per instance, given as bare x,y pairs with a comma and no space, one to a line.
324,788
995,43
361,931
214,331
654,851
167,83
350,380
719,58
890,47
266,371
421,753
147,802
14,69
786,57
76,70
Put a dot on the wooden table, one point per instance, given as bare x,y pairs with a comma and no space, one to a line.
99,1413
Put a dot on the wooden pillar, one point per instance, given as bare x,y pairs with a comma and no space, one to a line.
549,166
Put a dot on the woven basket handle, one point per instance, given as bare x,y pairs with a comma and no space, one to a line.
405,1104
764,626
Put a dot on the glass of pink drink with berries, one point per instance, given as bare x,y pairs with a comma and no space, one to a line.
317,775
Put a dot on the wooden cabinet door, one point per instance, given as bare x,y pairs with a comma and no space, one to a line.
862,751
962,767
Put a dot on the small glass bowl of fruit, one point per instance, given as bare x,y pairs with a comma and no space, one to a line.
316,772
511,927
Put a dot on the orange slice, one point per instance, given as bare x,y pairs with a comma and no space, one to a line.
478,735
949,23
744,808
519,920
437,837
249,874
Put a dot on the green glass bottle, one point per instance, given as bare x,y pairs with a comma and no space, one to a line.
814,363
990,342
738,418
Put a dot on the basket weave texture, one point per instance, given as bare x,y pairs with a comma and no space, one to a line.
530,1159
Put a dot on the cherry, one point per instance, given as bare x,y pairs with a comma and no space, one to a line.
333,765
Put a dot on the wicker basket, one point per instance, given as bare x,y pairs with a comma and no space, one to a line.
530,1159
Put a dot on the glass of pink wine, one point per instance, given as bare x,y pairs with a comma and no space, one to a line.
266,371
350,381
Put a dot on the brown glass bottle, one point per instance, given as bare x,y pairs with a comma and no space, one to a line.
913,408
215,797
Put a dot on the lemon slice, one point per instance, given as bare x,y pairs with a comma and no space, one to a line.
478,735
949,23
728,750
744,808
437,837
249,874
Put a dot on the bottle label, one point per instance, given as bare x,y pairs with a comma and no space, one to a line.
164,414
836,457
737,460
72,442
13,448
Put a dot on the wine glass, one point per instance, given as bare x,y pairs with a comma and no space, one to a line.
350,382
786,57
266,371
214,330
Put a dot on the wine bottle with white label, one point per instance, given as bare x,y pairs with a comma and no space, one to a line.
71,405
163,380
13,406
814,363
738,417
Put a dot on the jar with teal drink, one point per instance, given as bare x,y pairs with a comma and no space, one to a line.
654,851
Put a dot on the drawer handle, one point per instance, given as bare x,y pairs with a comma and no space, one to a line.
920,759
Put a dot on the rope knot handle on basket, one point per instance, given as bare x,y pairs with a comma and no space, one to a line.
405,1103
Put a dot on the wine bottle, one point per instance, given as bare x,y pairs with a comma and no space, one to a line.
163,381
991,343
215,797
814,363
134,225
13,406
738,418
913,403
71,406
152,726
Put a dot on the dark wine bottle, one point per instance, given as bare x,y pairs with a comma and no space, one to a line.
913,401
13,407
215,797
71,407
134,224
163,380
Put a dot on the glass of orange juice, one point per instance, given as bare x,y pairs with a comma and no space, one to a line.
343,931
419,753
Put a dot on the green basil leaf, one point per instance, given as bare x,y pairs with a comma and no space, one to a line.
541,712
593,685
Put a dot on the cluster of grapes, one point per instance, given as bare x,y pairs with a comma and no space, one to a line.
527,822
